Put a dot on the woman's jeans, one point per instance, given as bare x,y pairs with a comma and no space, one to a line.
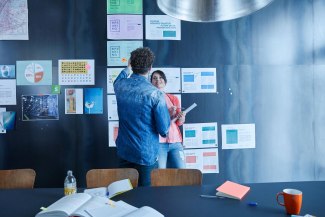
171,155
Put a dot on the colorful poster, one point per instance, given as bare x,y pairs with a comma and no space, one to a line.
162,27
124,7
238,136
124,27
199,80
93,101
37,72
173,76
118,52
112,107
7,71
112,133
2,129
9,120
40,107
8,92
76,72
74,101
200,135
206,160
13,20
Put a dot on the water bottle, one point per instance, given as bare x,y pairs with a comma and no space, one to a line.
70,184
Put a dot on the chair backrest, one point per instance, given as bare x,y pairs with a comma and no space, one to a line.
103,177
175,177
17,178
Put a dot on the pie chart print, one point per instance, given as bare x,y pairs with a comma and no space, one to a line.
34,73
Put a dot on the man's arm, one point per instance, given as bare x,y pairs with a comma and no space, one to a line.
124,73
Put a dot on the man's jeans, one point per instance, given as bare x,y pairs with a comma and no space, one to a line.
144,171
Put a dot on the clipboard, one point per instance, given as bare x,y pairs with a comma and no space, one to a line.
186,111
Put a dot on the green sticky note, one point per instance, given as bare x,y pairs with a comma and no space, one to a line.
124,7
56,89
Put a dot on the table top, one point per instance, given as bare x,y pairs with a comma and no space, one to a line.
180,201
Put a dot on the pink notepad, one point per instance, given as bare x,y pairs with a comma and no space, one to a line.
232,190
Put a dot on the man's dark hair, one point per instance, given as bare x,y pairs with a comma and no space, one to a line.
141,60
161,73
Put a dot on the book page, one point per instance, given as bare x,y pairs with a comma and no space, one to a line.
66,205
100,192
145,211
117,209
94,203
119,187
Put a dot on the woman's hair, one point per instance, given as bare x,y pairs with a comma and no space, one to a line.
161,73
141,60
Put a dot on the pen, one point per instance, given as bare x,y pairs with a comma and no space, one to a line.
210,196
252,203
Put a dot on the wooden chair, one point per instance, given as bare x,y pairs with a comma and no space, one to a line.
17,178
103,177
175,177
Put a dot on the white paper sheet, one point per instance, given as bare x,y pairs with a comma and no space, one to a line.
162,27
14,20
112,133
124,27
236,136
206,160
200,135
112,108
112,73
74,101
199,80
76,72
118,52
8,92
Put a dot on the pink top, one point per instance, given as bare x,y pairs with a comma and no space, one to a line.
174,134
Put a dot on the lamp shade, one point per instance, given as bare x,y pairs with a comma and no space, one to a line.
210,10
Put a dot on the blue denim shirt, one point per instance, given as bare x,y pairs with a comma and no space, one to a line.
143,114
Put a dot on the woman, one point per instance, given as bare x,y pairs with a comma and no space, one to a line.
171,150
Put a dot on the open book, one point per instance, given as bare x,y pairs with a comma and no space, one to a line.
232,190
112,190
85,205
74,205
122,209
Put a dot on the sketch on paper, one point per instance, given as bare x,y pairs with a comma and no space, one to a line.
13,20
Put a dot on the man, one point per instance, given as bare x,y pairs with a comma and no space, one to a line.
143,114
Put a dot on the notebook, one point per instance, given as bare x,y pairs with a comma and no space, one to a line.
232,190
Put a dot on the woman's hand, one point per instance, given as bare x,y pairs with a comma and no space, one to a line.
172,111
181,117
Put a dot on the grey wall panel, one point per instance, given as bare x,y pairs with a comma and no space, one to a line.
284,133
319,32
280,34
319,122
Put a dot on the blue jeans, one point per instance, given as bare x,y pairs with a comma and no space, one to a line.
171,155
144,171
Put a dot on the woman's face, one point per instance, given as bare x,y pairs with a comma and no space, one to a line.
158,81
